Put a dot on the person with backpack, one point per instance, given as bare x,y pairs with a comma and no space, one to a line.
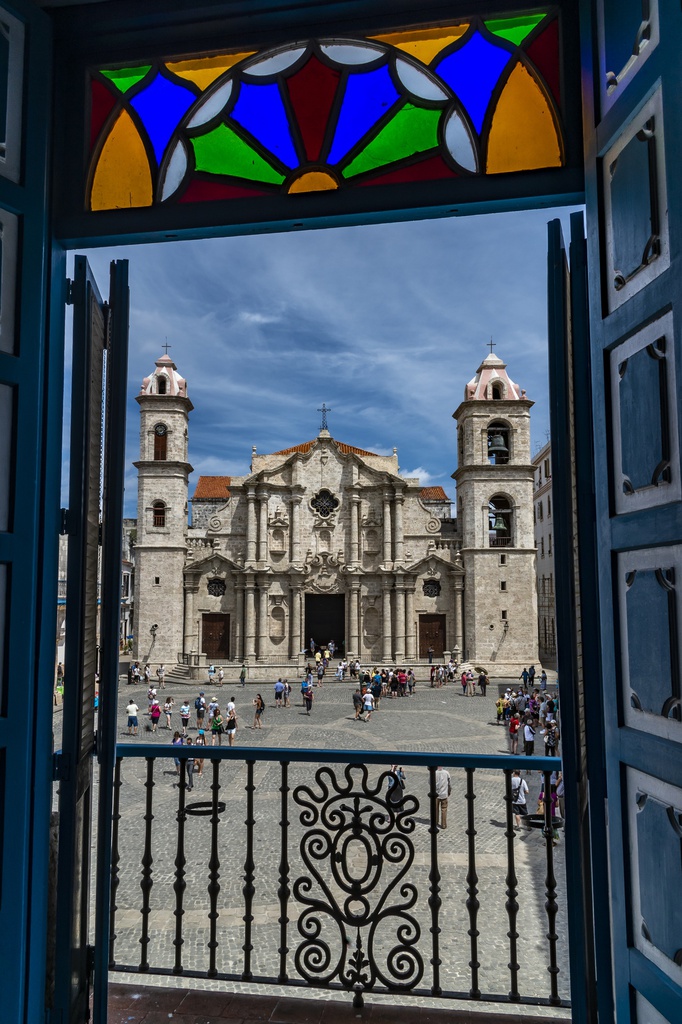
514,726
519,793
395,784
200,708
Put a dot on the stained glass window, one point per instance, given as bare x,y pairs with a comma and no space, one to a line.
476,97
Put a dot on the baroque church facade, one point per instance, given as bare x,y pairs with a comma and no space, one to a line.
327,541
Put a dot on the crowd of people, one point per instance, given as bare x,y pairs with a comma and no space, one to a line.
525,715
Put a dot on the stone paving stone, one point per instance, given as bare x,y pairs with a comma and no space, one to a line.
297,1011
212,1003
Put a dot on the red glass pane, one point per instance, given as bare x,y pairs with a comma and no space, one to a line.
101,104
200,191
544,52
425,170
312,91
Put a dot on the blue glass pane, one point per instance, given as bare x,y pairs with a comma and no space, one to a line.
367,98
260,110
472,74
161,106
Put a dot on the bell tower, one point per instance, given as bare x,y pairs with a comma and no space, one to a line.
495,514
162,481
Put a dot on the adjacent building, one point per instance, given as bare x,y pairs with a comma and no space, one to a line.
544,532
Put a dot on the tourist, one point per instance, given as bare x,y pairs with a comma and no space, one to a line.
514,727
161,676
463,681
189,764
524,676
221,676
531,677
212,705
242,676
551,739
177,742
357,702
519,793
528,738
368,705
147,673
199,763
411,682
184,716
483,682
217,728
155,714
279,692
200,708
308,700
231,724
443,791
543,680
395,786
499,706
132,711
259,706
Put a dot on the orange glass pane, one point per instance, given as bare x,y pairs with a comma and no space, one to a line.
122,178
313,181
204,71
425,44
523,135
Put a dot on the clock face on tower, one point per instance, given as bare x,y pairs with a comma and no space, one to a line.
160,429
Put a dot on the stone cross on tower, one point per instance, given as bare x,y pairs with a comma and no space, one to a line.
166,347
491,344
324,410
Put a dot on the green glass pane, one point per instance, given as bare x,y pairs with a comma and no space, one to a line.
514,29
412,130
222,151
126,78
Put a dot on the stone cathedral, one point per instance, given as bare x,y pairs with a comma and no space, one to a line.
327,541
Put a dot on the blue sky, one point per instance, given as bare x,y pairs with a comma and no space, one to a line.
386,324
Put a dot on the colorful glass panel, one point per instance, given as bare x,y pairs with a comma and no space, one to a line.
480,96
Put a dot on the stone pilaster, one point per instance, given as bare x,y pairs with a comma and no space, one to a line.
399,545
295,546
239,624
190,638
459,611
354,594
263,527
295,621
387,528
250,597
355,530
386,620
263,610
410,652
251,525
399,628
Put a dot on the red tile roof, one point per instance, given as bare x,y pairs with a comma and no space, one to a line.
433,494
209,487
307,445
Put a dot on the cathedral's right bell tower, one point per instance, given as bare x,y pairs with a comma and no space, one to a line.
495,518
161,543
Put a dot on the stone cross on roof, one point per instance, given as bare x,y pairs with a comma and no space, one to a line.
491,344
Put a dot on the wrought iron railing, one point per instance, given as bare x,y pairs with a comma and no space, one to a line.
342,887
500,542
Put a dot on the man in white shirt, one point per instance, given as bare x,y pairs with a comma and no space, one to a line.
528,739
443,790
519,792
368,705
132,710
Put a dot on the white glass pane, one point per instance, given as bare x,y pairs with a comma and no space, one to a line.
6,445
272,65
8,280
11,92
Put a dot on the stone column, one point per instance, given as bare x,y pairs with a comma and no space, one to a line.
355,528
263,526
386,620
239,624
354,618
295,527
399,539
251,525
399,627
410,652
250,597
190,639
295,621
387,527
263,617
459,612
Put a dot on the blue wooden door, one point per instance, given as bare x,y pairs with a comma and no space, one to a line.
30,392
633,137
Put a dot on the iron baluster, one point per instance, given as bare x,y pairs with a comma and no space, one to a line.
115,859
512,892
435,901
551,905
249,865
213,869
146,882
179,885
472,886
284,891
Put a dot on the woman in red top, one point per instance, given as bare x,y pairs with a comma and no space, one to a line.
514,726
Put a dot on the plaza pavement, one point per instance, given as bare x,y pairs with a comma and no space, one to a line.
433,720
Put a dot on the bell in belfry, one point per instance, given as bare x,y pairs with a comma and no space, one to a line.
497,445
499,523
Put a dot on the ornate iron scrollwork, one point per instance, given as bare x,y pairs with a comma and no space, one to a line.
357,844
431,588
216,587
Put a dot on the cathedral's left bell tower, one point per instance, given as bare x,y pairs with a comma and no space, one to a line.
160,547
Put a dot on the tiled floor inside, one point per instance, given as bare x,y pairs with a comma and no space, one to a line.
139,1004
